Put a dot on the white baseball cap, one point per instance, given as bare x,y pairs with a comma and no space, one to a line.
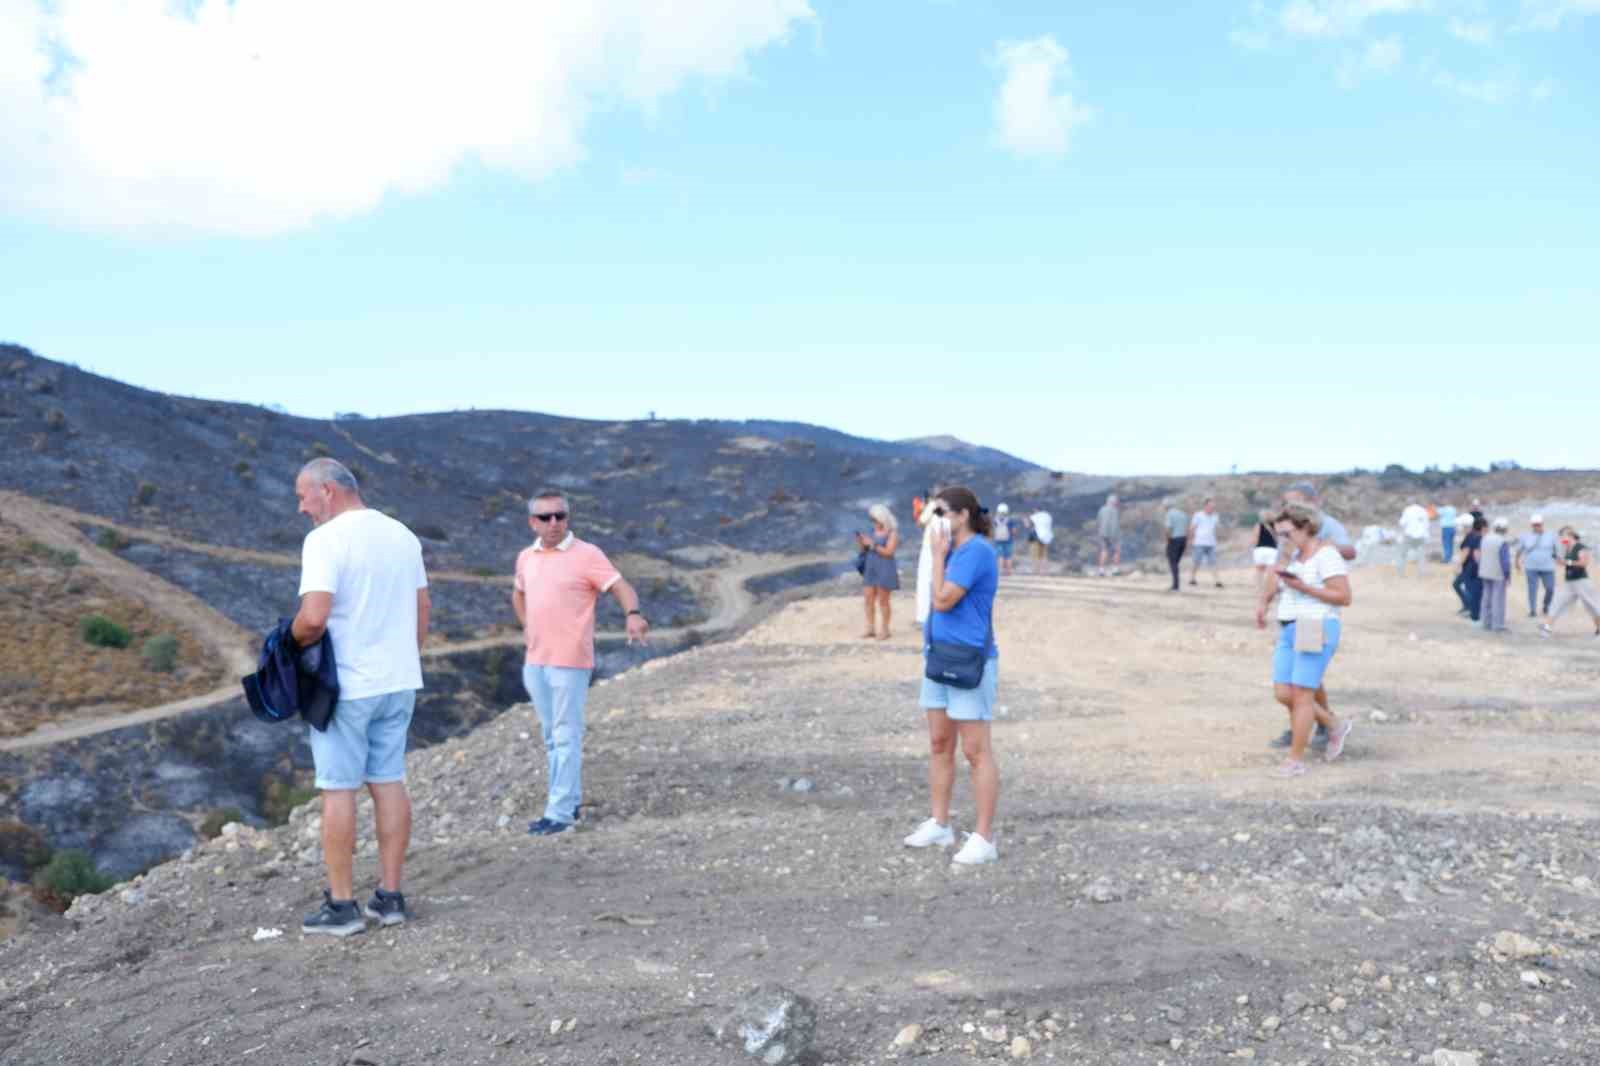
1537,520
1003,509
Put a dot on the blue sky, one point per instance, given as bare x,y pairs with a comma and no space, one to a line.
1306,234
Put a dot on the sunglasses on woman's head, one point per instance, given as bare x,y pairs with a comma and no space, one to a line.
553,516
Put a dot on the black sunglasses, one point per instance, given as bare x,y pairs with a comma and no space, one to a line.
553,516
939,511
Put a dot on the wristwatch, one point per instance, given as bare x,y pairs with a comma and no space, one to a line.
637,612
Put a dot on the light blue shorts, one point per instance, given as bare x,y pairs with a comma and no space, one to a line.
1205,555
1299,668
365,743
1003,549
964,704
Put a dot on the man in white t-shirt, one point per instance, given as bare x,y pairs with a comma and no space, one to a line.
1413,537
1044,531
1203,542
362,582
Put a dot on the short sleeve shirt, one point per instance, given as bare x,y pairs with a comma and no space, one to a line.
973,567
560,587
1447,518
1109,522
1205,529
372,567
1538,551
1315,571
1044,526
1414,522
1333,531
1177,523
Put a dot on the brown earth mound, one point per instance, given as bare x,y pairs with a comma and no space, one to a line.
49,673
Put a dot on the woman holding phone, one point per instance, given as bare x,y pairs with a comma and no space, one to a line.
1311,588
959,706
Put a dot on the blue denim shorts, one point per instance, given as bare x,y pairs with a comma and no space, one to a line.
964,704
1300,668
365,743
1003,549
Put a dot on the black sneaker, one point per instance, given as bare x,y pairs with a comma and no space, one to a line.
387,908
341,918
545,827
1319,739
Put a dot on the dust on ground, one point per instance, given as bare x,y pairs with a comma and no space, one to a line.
1159,898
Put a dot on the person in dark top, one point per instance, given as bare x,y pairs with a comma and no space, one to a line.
1577,587
1265,555
1467,584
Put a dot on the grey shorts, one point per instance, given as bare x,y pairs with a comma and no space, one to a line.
1205,555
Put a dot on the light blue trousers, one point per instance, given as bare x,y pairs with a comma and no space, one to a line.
558,694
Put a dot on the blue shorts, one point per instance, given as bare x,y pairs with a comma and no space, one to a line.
1204,555
1299,668
365,743
1002,549
964,704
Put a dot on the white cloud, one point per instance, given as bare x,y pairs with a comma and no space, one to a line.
1478,33
1340,18
1550,14
258,116
1483,90
1033,118
1379,58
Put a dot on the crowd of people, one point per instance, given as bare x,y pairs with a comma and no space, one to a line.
363,584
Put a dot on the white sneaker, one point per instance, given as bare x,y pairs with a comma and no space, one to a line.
931,834
975,852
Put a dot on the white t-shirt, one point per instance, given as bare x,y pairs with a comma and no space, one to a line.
1044,527
1205,529
1315,572
1414,522
372,565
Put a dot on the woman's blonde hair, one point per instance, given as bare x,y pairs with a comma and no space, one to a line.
881,514
1301,516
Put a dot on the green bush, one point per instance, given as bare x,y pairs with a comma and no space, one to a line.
102,632
63,557
144,494
70,874
161,653
111,540
211,828
281,797
22,845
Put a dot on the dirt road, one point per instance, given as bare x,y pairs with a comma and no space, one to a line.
1159,898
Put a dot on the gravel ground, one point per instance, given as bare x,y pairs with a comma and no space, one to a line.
1159,898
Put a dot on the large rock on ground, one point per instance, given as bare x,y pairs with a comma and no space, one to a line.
770,1023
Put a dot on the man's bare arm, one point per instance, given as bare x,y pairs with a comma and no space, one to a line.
311,620
424,609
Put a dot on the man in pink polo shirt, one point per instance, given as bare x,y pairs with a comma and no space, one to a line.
558,581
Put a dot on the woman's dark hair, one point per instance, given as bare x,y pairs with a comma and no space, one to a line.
964,499
1479,524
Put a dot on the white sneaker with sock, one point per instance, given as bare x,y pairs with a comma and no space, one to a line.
931,834
976,851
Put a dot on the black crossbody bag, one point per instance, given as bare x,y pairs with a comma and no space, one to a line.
956,665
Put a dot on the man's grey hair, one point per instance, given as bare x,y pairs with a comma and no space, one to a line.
548,494
327,471
1111,498
1304,488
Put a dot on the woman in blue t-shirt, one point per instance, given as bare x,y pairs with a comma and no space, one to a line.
965,579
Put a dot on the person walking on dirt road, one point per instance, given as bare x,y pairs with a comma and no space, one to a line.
965,579
1312,587
558,580
1536,556
1576,588
1331,531
363,583
1177,523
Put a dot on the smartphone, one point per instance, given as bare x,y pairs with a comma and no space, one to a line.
1284,573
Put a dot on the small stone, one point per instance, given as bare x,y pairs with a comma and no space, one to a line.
555,1026
1484,1010
133,896
1446,1057
1021,1048
1103,890
803,784
572,1023
1245,1053
1294,1003
1243,1001
907,1036
502,821
231,829
1271,1022
1513,945
1529,977
1369,969
1175,1015
1385,984
995,1034
1337,1004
